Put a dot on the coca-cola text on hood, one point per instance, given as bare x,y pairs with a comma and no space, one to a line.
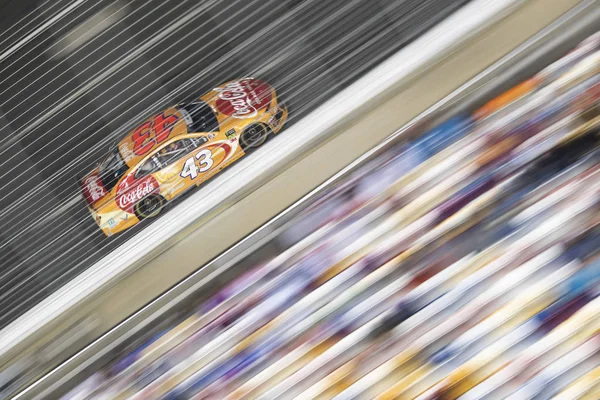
242,99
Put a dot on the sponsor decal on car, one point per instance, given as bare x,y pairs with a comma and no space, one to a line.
111,223
93,188
230,133
242,99
132,193
124,185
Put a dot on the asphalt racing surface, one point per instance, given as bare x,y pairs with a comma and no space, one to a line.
95,70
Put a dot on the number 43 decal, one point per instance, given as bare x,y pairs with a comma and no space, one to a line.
191,169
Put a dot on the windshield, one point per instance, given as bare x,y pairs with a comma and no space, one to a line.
199,117
112,169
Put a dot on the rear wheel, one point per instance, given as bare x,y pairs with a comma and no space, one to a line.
149,206
254,136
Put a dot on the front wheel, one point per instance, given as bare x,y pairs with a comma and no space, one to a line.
254,136
149,207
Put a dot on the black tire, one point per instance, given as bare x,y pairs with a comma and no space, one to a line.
149,207
254,136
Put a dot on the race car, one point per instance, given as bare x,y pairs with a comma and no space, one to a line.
178,149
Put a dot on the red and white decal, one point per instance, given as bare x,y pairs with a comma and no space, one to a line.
130,192
93,190
152,133
243,99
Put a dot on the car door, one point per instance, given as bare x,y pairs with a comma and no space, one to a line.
208,159
171,160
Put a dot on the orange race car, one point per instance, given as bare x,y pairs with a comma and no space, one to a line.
179,149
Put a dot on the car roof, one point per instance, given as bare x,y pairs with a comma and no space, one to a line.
134,146
128,143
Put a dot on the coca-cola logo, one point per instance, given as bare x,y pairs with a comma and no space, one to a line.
131,194
95,191
243,99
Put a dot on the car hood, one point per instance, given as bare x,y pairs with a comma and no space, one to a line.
240,100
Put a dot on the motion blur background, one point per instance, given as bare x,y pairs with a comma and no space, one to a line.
76,75
79,85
